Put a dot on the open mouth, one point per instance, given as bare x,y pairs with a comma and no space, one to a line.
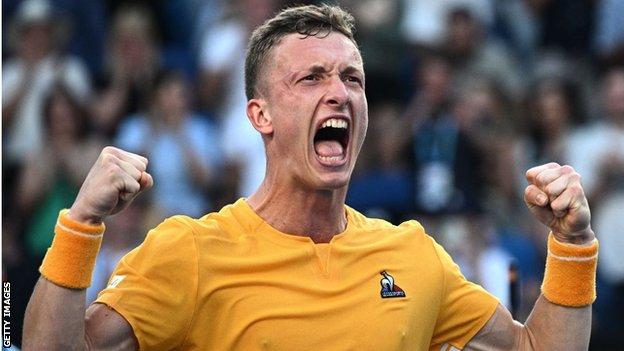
331,140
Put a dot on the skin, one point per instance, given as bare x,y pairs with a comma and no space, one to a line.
309,79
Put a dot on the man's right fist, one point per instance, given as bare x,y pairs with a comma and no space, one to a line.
115,179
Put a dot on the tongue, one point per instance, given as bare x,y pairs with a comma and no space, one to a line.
328,148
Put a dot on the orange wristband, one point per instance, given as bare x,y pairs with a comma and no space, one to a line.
70,260
570,276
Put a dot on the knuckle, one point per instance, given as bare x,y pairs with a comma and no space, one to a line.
576,190
114,170
567,169
540,179
133,187
109,150
109,159
557,205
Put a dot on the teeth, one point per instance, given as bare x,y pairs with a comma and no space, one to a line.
335,123
330,158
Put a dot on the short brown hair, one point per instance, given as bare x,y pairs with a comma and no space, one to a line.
308,20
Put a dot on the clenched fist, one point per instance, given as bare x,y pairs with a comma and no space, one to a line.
115,179
555,196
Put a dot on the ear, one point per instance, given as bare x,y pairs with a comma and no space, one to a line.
259,116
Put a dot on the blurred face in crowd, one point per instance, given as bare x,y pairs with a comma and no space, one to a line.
63,118
554,112
35,41
614,96
172,100
473,106
462,32
314,93
435,79
132,42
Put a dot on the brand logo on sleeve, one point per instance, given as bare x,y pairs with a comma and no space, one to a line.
115,280
388,288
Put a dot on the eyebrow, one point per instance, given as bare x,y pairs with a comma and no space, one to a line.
321,69
352,69
317,69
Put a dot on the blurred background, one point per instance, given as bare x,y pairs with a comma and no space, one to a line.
464,96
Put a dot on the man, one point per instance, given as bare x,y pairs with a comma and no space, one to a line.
235,280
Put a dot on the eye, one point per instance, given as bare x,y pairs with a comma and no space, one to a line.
353,79
311,77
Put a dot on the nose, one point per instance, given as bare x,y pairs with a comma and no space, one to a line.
337,93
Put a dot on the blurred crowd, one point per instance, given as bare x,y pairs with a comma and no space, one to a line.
464,96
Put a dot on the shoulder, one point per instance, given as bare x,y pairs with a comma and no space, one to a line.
182,228
174,233
377,223
367,224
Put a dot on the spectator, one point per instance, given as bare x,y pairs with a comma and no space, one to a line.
424,21
554,109
565,25
131,63
472,52
608,220
52,177
609,33
380,41
222,63
597,151
182,147
27,78
485,116
446,163
382,165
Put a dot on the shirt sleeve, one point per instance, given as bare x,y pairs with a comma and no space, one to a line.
465,306
154,287
11,79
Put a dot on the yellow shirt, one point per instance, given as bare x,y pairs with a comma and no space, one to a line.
229,281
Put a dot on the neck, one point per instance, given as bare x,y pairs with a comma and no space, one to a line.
318,214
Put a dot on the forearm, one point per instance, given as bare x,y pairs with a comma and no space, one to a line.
561,317
56,311
555,327
54,318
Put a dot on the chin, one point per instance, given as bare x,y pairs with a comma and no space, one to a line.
333,181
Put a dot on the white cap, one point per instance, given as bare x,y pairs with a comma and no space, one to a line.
34,11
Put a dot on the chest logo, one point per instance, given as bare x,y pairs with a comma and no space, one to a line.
388,288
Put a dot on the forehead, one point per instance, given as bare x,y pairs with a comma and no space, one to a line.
296,52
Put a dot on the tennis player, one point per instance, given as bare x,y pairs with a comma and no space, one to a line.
292,267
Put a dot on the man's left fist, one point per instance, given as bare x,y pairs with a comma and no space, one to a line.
555,196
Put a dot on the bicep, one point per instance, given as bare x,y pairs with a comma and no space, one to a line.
501,332
106,329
